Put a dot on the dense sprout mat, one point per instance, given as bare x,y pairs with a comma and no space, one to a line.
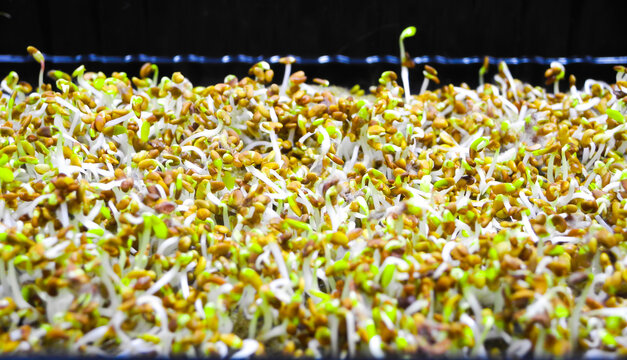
145,215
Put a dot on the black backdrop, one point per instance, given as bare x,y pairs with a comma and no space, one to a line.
312,28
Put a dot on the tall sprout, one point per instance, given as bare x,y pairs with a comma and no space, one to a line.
483,70
554,74
408,32
39,57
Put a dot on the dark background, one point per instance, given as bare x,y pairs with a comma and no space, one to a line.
454,28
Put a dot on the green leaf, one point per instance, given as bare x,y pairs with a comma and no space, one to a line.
492,273
179,182
340,266
561,311
218,163
441,183
79,71
616,115
332,130
479,144
96,231
12,79
229,180
408,32
320,138
210,310
99,83
297,224
560,76
105,212
147,221
184,259
385,77
364,113
119,130
6,175
145,131
251,277
608,339
159,227
613,322
387,275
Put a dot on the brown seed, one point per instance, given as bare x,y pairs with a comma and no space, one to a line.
263,111
577,278
6,131
222,229
354,234
570,208
203,214
316,110
589,206
287,60
550,72
217,186
606,239
99,122
44,131
335,159
269,75
146,70
559,223
375,130
177,77
185,108
298,78
339,238
444,283
221,249
127,184
440,123
431,70
523,294
123,204
511,263
165,207
460,108
9,149
143,283
460,252
147,164
486,62
322,82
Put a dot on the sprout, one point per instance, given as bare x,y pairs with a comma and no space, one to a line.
262,72
429,74
147,69
405,60
327,215
615,115
39,57
58,74
287,61
621,73
6,175
483,70
554,74
9,82
504,69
